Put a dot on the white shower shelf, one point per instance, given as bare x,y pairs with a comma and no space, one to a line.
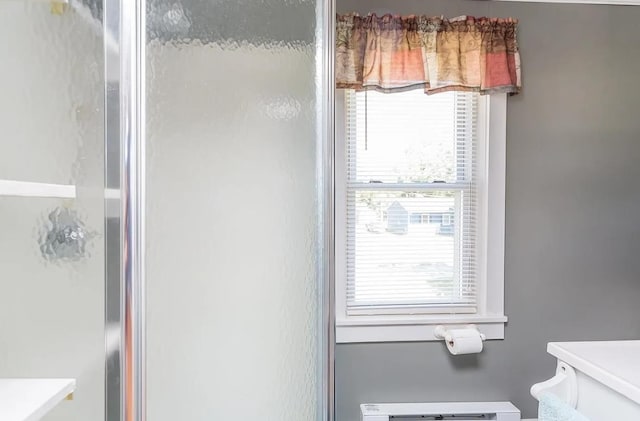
31,399
31,189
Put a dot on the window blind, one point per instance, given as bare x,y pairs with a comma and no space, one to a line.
411,211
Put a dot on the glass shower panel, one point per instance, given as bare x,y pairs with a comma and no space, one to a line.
231,230
51,198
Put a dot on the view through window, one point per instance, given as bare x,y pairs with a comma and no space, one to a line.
411,193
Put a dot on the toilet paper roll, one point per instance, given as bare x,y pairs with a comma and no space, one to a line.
463,341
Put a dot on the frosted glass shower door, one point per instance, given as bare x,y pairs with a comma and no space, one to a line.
52,199
232,286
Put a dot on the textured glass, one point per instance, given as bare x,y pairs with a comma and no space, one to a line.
232,310
51,249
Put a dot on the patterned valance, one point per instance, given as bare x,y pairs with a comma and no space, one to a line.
394,53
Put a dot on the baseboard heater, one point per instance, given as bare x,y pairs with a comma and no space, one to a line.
458,411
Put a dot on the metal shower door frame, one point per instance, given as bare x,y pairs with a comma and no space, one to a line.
125,91
125,375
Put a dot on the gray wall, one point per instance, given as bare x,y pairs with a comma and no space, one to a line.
572,264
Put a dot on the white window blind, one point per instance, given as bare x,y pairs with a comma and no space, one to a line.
411,202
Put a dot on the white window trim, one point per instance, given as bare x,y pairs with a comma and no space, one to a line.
490,318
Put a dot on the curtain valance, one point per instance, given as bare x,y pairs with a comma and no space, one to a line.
395,53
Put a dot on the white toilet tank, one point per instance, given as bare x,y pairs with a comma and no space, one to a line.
601,380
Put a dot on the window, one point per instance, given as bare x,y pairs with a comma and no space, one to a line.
419,214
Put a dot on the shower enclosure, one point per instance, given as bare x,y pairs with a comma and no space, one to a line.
166,206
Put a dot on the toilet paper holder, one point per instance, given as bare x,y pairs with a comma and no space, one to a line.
440,332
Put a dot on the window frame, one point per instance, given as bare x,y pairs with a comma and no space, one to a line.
489,317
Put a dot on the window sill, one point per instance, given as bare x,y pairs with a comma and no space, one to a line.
413,329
